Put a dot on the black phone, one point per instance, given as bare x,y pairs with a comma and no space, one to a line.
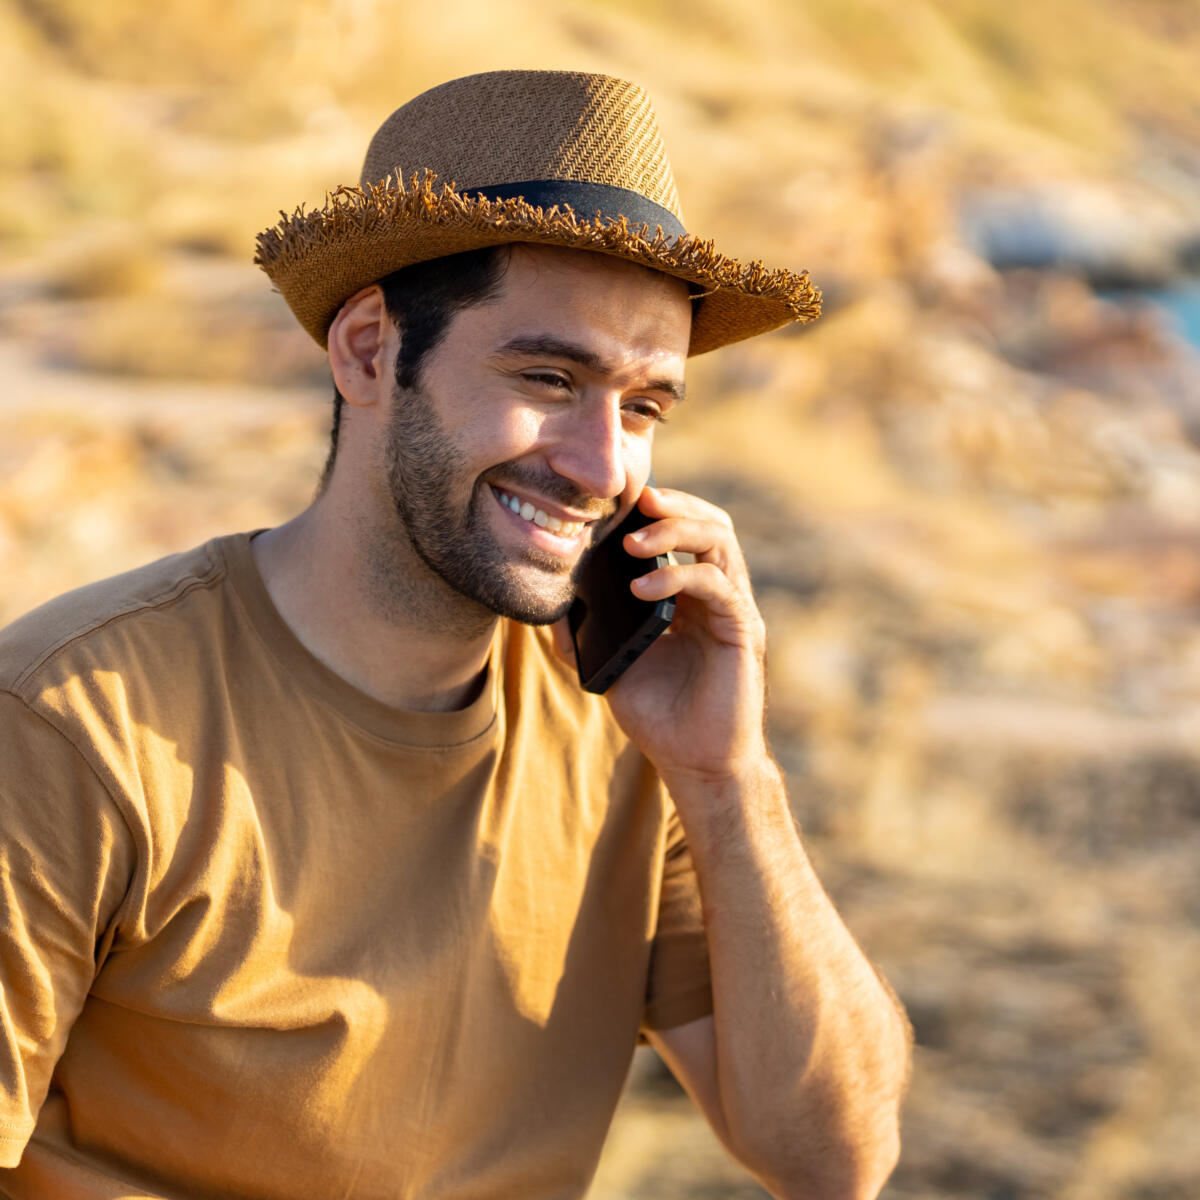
609,625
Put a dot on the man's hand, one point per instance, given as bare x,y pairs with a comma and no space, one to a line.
802,1065
694,702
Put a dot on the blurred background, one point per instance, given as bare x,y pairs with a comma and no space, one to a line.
970,494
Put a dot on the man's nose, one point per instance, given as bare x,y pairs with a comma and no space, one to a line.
590,450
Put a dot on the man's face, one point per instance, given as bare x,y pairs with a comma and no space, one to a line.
529,433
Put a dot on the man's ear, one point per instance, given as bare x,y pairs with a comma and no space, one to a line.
358,346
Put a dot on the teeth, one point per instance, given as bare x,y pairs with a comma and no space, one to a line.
527,512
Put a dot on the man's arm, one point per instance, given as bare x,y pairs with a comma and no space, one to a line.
66,861
803,1064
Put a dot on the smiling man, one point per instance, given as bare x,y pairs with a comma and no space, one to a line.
321,876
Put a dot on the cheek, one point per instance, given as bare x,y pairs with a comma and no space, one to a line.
502,435
524,425
638,455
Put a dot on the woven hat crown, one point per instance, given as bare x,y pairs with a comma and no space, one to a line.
552,158
508,127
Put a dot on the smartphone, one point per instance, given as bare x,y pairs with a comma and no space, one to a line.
609,625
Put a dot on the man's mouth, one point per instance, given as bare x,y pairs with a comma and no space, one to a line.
536,516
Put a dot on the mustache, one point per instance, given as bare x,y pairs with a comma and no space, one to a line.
553,487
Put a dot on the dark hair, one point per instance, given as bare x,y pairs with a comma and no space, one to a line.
421,300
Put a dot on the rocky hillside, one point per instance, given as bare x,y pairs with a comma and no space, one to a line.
970,494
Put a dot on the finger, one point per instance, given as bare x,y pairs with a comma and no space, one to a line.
694,535
668,502
706,539
731,617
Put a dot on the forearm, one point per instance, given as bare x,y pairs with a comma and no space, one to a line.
811,1050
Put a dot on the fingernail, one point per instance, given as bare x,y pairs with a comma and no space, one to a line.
638,535
642,583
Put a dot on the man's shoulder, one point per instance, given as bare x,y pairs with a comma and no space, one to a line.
68,630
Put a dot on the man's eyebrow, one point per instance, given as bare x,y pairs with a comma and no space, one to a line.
555,347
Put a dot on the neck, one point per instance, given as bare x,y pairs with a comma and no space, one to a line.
370,610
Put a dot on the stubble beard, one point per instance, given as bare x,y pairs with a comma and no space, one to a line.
458,546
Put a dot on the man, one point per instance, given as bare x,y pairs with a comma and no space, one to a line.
321,876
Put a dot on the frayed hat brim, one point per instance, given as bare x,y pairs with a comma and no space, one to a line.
318,259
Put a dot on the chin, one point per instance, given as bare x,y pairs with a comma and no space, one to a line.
537,615
526,605
531,595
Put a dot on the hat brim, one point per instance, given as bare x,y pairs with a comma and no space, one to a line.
319,259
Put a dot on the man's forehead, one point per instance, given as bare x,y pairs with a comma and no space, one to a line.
614,310
579,259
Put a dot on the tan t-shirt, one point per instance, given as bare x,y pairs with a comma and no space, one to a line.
263,936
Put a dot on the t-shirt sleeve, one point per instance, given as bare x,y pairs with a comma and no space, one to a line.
66,858
679,989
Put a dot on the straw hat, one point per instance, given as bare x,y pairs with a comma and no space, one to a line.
559,158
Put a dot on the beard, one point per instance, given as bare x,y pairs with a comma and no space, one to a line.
458,545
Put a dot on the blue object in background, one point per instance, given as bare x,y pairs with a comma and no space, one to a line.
1182,304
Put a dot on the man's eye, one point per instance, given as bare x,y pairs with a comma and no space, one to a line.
647,410
547,379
